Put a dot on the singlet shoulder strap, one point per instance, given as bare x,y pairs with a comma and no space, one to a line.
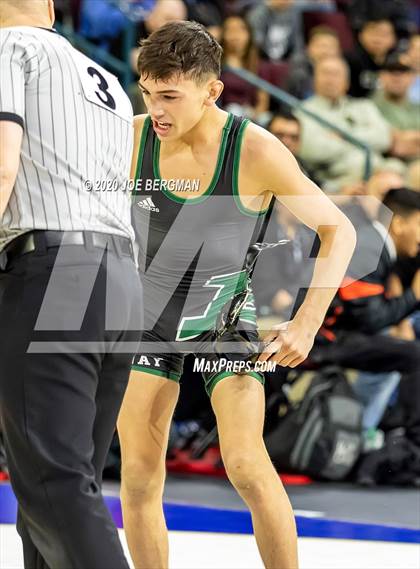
233,162
145,142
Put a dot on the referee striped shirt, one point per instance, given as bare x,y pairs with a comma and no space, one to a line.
77,137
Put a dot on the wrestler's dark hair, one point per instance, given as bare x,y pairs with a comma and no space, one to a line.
180,47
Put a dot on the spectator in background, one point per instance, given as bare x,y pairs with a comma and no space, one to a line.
240,51
407,267
404,116
323,42
276,27
376,389
396,11
352,335
412,59
286,127
405,271
376,40
336,161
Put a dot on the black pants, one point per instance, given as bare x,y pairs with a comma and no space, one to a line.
58,409
378,354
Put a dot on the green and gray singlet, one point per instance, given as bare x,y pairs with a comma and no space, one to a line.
192,251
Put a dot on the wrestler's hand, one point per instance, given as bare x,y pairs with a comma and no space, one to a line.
289,343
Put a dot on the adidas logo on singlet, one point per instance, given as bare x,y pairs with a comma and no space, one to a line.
148,204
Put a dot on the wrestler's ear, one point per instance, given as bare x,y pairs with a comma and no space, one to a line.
214,89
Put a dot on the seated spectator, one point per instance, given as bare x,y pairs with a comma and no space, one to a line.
392,100
337,162
239,51
396,11
276,27
352,334
216,32
376,389
286,127
405,270
412,58
376,40
323,42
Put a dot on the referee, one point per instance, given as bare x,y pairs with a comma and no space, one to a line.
70,294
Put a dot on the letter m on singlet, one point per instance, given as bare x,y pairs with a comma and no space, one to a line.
196,238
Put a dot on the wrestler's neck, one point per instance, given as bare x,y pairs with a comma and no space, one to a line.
208,129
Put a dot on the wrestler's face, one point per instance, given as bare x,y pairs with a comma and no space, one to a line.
177,104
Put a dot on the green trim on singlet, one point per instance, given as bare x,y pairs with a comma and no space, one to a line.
140,156
218,377
220,159
165,374
235,175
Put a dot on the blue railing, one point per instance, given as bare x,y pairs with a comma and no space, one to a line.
296,104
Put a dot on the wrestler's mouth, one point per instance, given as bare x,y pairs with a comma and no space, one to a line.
161,127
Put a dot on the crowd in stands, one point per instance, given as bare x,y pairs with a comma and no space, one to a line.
356,63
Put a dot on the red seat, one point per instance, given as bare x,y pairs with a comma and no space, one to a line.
335,20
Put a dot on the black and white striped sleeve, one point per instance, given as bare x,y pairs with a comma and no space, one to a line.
12,78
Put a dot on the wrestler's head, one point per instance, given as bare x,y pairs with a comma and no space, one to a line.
179,68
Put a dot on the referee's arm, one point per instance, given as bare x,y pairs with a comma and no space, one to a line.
12,112
10,144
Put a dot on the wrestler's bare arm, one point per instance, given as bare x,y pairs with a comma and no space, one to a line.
273,168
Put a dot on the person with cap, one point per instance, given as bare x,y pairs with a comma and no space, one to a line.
392,101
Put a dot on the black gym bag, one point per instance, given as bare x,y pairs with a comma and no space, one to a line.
321,436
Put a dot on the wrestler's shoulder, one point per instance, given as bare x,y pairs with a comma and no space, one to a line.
259,149
138,123
256,140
